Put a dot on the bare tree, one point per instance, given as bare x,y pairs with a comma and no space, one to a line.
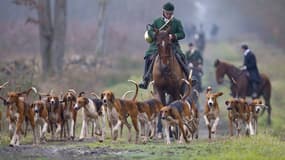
46,34
52,31
100,33
59,33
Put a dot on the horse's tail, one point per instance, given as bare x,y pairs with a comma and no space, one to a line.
137,88
188,90
264,85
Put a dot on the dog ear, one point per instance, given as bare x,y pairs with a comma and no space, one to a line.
86,100
112,97
219,94
64,99
172,112
73,98
48,99
102,96
57,101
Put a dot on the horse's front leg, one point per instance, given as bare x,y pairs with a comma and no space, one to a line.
161,95
159,123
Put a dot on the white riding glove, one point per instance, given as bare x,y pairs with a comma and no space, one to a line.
243,68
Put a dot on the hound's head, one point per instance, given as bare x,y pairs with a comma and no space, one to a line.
257,105
231,103
212,98
236,105
53,100
37,107
107,97
81,101
69,96
165,112
13,97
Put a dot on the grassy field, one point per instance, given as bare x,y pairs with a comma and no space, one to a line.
258,147
269,144
261,147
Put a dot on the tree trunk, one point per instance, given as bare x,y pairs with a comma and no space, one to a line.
100,33
59,33
46,36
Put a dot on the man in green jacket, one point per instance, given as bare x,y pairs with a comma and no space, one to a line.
193,56
195,62
176,33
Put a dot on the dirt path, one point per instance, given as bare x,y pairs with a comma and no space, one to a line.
62,151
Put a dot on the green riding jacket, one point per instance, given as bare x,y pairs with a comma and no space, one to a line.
195,58
176,29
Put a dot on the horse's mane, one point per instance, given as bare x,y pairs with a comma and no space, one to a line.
236,69
231,68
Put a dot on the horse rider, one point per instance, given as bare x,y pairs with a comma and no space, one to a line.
200,39
250,65
176,33
195,62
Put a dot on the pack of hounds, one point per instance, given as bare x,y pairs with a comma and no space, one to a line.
56,115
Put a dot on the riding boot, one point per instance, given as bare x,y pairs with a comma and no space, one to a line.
254,90
182,61
146,73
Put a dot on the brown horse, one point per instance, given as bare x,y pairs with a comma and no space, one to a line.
240,85
167,73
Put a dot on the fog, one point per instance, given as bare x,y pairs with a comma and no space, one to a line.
126,21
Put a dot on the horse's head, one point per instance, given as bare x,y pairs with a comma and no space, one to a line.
163,43
220,71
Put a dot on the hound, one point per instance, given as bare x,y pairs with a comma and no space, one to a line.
239,113
55,115
148,116
212,111
178,114
256,108
118,110
40,114
2,86
69,113
193,124
17,112
91,111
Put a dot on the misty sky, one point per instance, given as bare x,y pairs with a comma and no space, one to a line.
128,18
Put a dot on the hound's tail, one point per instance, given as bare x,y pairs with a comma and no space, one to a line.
137,89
